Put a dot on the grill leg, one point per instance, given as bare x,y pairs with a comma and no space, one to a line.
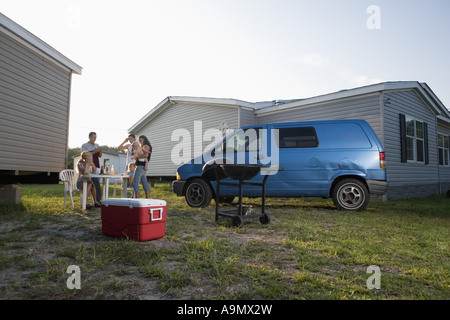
217,193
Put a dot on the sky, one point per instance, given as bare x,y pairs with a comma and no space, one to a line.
136,53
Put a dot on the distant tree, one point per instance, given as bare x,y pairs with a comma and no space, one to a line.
72,152
108,148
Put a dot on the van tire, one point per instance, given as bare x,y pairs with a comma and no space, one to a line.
350,195
198,193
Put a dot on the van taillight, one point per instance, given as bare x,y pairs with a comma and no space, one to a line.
382,161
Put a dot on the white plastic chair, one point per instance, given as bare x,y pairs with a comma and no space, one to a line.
69,177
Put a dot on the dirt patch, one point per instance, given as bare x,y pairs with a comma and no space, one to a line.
35,259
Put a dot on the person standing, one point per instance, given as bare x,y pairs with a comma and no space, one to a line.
96,152
129,148
139,175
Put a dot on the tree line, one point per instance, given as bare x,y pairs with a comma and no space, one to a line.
72,152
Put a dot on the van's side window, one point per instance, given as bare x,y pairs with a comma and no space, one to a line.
302,137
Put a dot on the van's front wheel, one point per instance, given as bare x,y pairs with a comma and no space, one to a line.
351,195
198,193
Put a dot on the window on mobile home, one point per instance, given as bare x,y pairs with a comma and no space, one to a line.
443,149
415,146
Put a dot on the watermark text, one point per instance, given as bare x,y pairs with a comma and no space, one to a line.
373,22
74,281
374,281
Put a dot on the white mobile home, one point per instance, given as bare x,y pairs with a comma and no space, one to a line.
109,159
181,113
35,84
409,119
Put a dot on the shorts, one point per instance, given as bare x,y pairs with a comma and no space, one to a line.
80,183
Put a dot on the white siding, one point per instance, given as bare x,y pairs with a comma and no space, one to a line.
34,110
247,117
444,171
181,116
364,107
401,174
117,160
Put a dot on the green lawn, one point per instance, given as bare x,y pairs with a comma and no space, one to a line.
308,251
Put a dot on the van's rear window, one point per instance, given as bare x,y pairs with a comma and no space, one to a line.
303,137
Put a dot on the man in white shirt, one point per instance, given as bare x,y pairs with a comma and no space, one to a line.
96,151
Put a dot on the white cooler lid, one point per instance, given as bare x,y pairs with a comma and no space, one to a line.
132,202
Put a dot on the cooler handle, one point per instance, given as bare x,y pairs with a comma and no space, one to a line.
152,218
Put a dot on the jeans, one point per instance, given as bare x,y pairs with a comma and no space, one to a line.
98,189
139,175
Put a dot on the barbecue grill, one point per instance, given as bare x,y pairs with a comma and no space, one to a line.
240,173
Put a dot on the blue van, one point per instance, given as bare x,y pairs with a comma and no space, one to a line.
342,159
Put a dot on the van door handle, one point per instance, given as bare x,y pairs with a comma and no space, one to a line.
259,157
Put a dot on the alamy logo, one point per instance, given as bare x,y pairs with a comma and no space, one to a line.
374,281
374,20
249,146
73,21
74,281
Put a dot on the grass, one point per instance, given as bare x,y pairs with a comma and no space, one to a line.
308,251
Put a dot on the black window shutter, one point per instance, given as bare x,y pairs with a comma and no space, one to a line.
425,142
402,138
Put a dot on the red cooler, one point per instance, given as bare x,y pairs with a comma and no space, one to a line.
140,219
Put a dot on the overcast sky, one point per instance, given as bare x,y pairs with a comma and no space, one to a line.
136,53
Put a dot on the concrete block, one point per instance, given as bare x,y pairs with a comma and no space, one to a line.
10,193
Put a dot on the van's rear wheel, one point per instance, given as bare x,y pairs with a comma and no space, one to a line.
350,195
198,193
